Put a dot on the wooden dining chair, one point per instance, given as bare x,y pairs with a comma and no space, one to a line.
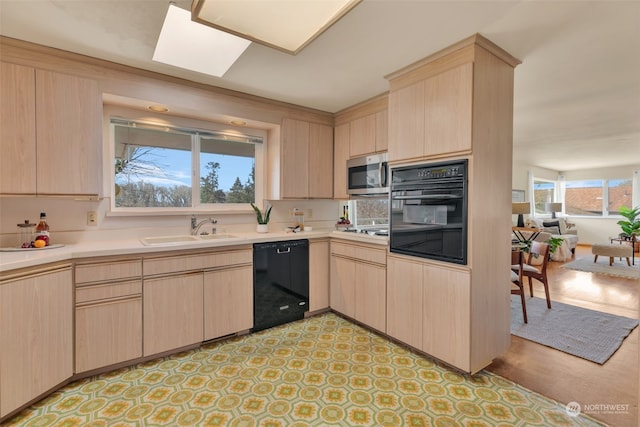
517,276
536,267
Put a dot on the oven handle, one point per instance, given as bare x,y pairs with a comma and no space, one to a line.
427,196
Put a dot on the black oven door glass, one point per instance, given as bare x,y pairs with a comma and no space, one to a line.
429,212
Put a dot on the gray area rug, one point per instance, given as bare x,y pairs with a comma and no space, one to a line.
589,334
618,269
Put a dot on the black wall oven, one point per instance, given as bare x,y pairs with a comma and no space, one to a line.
428,211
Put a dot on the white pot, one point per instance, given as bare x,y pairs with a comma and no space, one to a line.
262,228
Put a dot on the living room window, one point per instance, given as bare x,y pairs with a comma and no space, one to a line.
165,167
543,192
597,197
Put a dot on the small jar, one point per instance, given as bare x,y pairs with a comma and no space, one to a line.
299,218
25,234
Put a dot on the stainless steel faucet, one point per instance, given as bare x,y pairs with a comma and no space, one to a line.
195,226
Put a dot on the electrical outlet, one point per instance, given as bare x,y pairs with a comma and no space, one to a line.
92,218
309,213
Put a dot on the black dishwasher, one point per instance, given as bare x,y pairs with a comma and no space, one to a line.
280,282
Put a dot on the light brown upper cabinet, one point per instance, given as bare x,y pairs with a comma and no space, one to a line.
340,157
51,133
17,129
306,160
368,134
433,116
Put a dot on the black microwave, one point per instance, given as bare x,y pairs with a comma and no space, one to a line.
368,175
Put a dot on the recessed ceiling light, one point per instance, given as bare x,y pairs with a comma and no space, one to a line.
196,47
286,25
238,122
157,108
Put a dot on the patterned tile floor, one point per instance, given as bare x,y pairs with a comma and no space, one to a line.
322,371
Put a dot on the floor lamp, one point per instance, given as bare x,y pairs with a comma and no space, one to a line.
520,209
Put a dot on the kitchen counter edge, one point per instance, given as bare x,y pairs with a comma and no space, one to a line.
17,260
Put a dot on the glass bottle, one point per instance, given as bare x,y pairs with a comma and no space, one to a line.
42,229
25,234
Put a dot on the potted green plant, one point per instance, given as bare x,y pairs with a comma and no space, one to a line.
262,217
630,226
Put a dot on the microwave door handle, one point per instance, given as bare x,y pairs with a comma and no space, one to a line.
380,181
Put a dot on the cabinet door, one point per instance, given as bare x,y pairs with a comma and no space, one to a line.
228,301
108,333
382,130
320,161
17,129
36,336
342,288
363,136
446,327
318,275
406,122
68,129
448,99
404,301
371,295
294,174
172,312
340,157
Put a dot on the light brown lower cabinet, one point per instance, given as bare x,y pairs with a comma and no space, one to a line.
36,335
172,312
228,301
318,274
428,307
108,332
358,282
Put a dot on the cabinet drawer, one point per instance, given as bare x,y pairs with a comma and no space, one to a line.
100,272
107,291
181,263
360,252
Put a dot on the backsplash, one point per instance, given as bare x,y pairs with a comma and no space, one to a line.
68,219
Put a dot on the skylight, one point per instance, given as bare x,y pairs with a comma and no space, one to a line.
196,47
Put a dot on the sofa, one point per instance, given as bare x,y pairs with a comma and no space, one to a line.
556,227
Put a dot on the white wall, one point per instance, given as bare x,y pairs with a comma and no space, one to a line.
68,218
590,230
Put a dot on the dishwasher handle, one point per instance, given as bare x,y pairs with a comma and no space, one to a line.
281,251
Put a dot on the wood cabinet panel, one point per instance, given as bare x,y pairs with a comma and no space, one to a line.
404,301
108,270
319,266
108,333
360,252
172,312
406,122
198,261
382,130
36,336
68,129
340,157
320,161
342,288
448,99
294,176
228,301
446,318
86,294
362,137
17,129
371,295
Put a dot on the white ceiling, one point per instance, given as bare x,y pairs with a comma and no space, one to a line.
577,91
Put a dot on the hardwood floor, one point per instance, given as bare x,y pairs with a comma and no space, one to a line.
567,378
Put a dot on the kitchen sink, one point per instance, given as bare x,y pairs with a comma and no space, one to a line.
215,236
168,240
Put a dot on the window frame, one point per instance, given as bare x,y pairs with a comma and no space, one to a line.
124,114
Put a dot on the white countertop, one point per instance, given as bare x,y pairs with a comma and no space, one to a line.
29,258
